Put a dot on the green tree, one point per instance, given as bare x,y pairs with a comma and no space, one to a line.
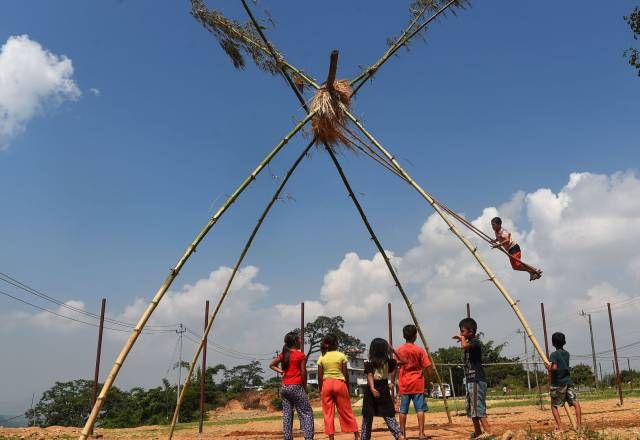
323,325
582,375
633,54
238,378
64,404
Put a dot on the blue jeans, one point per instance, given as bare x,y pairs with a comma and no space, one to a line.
419,403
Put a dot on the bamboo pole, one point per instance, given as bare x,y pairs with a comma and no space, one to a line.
391,271
279,59
401,41
235,270
173,273
331,75
473,249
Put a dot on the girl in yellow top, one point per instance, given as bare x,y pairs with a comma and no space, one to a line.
333,380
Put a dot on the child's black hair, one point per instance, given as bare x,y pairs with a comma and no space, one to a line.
558,340
378,353
290,341
410,332
497,221
330,342
469,324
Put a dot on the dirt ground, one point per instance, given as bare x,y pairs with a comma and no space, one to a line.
233,422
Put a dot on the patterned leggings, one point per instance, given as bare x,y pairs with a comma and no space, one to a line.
392,424
294,396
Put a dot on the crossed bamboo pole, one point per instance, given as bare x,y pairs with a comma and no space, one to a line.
234,272
173,273
283,66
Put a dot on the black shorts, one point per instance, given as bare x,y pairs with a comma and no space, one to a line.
514,249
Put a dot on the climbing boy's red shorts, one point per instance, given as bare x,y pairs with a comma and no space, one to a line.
516,256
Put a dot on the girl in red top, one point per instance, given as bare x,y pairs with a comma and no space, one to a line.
294,387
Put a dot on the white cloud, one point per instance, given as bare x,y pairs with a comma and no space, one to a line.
95,91
31,79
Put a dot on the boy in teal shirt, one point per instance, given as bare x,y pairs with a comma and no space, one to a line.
561,389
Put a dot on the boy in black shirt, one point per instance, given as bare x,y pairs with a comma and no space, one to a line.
561,389
474,374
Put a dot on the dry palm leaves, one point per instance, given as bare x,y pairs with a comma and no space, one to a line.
329,122
235,38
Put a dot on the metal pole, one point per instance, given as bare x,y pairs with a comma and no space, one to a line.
390,324
204,367
630,374
468,311
302,327
615,354
526,357
96,375
94,395
453,390
535,369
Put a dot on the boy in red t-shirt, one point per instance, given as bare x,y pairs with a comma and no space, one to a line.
411,379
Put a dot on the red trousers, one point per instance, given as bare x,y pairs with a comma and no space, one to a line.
516,262
336,394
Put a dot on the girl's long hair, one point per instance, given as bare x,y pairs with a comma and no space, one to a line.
290,341
378,353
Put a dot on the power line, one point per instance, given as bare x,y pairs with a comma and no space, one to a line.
26,288
223,347
92,324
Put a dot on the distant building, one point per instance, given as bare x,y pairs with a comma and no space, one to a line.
355,367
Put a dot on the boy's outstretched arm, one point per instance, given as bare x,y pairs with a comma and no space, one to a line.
464,342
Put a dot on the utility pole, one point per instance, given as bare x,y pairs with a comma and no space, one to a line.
600,367
98,352
468,311
630,374
526,356
615,354
593,349
204,367
180,331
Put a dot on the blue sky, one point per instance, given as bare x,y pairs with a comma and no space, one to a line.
102,194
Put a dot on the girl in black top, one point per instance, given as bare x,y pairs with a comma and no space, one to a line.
377,400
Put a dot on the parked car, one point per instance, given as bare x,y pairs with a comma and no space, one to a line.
436,392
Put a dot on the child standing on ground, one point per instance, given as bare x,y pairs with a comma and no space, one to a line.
509,244
475,377
377,401
333,380
294,387
411,378
561,389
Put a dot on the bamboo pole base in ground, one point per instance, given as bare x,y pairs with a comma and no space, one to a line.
174,273
223,296
470,247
